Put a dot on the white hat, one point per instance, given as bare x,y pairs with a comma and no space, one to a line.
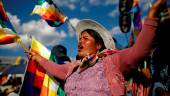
91,24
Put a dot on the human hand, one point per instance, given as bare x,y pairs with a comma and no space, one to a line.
156,8
146,73
33,55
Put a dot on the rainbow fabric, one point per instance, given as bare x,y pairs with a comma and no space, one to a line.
137,23
7,32
49,87
134,86
36,81
91,59
7,38
49,12
4,20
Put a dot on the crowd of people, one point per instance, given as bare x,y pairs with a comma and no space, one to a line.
10,85
102,70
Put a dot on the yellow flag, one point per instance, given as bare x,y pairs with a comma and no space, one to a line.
40,48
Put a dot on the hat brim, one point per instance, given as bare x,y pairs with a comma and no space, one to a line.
91,24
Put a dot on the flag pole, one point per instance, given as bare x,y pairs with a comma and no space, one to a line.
150,4
22,45
69,23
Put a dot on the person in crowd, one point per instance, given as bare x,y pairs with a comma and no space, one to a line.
100,68
59,54
160,60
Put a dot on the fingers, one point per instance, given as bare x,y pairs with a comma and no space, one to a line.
156,8
159,4
33,55
30,54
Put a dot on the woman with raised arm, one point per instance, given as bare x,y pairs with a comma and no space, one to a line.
100,68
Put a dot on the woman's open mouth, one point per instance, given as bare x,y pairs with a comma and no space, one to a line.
80,47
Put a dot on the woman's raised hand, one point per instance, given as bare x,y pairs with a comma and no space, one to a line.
33,55
156,8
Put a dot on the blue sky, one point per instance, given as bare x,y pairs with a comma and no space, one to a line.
104,11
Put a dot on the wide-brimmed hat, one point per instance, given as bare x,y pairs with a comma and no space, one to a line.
91,24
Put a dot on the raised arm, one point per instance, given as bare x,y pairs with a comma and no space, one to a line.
130,58
59,71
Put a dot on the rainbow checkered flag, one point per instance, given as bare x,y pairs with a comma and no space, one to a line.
7,32
137,23
49,12
36,81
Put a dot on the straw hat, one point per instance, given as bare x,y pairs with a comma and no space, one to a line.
91,24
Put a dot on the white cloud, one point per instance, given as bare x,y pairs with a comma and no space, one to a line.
13,46
111,2
73,22
95,2
116,30
84,9
114,13
63,34
39,29
15,21
71,4
92,2
103,2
